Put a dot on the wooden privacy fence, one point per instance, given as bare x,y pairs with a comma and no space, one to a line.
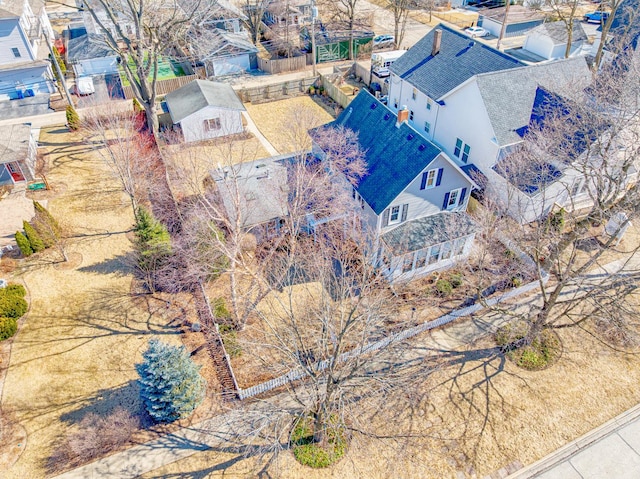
300,373
334,91
276,91
163,86
283,64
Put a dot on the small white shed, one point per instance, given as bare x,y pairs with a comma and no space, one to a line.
205,109
549,40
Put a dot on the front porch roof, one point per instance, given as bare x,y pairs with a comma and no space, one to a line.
424,232
14,143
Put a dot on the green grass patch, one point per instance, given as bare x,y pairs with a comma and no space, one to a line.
167,69
543,351
312,454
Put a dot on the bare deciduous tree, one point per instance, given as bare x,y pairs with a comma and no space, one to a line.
576,172
140,33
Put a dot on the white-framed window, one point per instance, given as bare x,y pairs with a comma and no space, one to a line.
407,263
458,246
447,250
578,186
454,197
16,53
461,150
395,103
394,215
428,104
434,254
429,179
212,124
414,95
411,115
458,148
465,153
421,258
427,127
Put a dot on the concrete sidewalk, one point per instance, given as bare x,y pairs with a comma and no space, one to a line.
609,451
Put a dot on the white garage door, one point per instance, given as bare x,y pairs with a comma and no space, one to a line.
229,65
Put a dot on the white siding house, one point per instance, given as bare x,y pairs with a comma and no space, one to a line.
25,78
413,197
17,162
205,110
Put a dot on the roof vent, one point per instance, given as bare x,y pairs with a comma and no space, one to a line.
387,116
374,105
471,44
422,147
410,136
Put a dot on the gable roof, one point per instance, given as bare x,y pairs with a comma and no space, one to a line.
394,155
14,142
258,189
509,96
88,47
557,31
199,94
208,43
459,59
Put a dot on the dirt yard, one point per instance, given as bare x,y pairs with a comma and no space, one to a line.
76,350
285,123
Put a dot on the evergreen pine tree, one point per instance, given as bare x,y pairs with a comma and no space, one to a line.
170,382
23,244
73,120
46,225
36,242
152,239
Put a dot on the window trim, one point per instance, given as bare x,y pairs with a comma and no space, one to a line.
398,213
429,179
456,193
212,124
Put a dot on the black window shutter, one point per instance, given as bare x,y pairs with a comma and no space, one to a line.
385,217
424,180
405,209
462,195
439,179
446,201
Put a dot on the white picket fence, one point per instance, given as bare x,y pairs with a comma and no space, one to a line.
299,373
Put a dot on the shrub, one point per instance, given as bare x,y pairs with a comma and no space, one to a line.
14,289
556,220
12,306
23,244
541,352
230,340
516,281
509,254
35,240
443,287
170,382
309,453
220,309
73,120
46,225
456,280
8,327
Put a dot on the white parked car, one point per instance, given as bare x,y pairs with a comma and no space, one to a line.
84,86
476,32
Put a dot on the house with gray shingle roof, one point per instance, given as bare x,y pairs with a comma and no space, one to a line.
549,40
413,196
204,109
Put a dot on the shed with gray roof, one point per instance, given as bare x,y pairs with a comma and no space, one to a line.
205,109
549,40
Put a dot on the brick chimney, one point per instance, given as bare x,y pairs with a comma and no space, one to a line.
437,40
403,115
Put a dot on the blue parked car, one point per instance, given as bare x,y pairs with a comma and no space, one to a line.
596,17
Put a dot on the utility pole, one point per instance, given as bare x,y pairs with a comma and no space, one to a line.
314,14
54,59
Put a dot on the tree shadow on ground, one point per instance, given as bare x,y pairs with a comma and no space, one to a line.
121,265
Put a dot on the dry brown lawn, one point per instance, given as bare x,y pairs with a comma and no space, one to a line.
76,351
492,415
285,122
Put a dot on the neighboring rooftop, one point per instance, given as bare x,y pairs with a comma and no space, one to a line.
210,43
394,155
431,230
87,47
517,14
14,142
258,188
5,14
557,31
509,96
199,94
460,58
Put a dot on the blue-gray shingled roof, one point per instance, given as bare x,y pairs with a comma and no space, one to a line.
459,59
394,155
199,94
